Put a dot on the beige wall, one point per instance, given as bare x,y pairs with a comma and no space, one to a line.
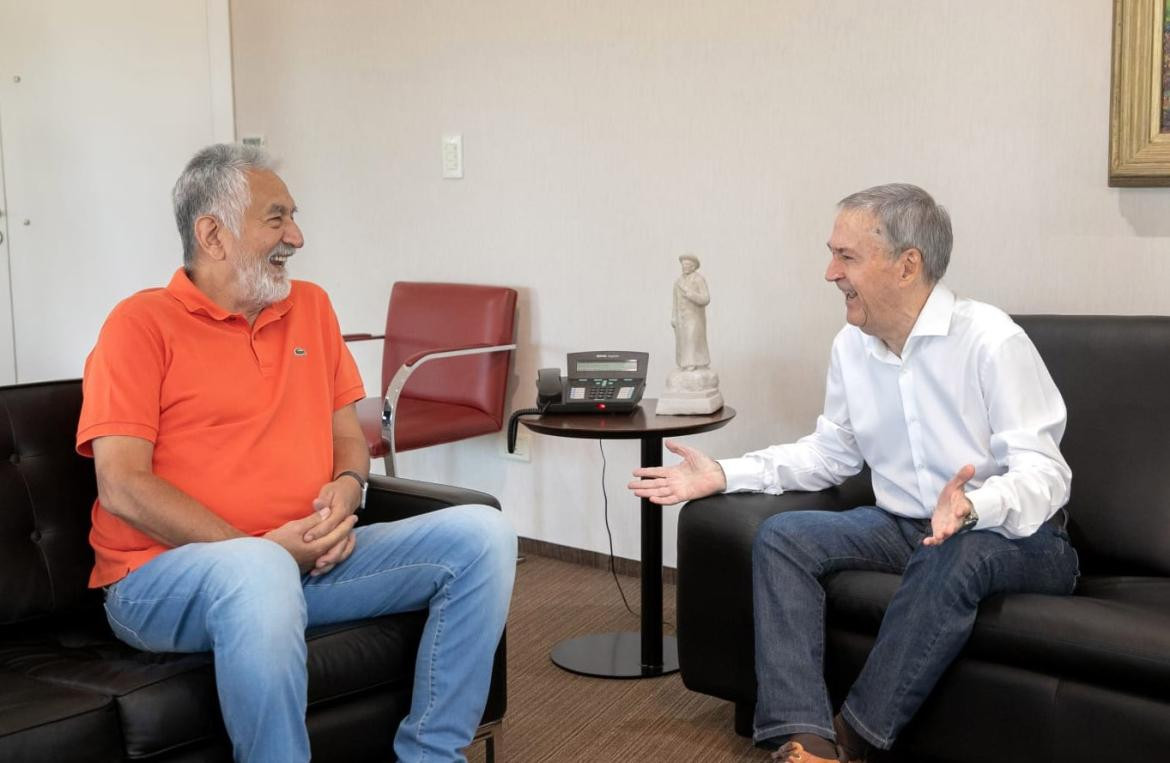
603,139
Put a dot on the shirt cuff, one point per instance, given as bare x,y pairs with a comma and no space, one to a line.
988,508
742,474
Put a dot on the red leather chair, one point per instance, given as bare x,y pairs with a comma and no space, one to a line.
468,330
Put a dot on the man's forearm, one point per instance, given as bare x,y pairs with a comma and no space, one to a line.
351,454
157,508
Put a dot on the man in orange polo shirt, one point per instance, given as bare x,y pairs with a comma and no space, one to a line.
230,465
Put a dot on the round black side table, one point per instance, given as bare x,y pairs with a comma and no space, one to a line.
627,654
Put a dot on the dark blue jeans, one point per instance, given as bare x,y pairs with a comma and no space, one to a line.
925,626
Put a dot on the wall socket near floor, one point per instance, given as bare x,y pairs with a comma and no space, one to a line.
523,446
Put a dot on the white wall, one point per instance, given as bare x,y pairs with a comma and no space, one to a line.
603,139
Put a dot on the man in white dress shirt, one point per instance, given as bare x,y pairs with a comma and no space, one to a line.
950,405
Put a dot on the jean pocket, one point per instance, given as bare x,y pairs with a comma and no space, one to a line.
125,634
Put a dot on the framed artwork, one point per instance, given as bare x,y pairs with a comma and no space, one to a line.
1139,112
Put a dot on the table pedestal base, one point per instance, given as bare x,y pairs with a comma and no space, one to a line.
613,655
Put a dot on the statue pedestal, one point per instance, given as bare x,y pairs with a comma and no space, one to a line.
690,392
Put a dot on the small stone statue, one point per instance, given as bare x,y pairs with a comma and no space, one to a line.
689,319
693,387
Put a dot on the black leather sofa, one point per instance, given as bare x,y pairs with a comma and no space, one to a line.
1043,678
70,691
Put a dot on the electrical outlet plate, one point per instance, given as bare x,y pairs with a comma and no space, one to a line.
523,447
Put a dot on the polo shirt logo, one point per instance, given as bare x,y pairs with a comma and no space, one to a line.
299,352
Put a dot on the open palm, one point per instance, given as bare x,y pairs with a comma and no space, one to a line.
697,476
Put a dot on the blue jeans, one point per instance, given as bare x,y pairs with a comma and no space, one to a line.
246,601
925,626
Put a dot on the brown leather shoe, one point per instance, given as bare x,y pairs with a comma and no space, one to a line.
794,752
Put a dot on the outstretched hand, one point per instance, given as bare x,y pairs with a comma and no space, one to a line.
952,508
696,477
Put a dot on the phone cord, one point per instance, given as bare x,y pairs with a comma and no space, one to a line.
514,424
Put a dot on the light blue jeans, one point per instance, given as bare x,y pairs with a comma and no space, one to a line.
925,626
246,601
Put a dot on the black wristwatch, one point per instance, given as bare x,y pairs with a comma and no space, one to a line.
360,480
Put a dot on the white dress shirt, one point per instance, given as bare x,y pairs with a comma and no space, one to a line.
970,388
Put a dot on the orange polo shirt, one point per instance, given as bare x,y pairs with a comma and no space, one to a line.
241,416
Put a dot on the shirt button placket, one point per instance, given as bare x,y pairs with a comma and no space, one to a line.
914,433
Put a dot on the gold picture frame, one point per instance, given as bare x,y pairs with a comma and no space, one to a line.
1139,139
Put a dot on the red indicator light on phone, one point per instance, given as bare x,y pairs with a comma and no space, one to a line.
601,406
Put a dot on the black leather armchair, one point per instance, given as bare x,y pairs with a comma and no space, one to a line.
1043,678
69,690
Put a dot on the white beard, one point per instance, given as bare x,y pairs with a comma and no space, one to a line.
259,285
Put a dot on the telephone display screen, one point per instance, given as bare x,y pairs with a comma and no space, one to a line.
607,365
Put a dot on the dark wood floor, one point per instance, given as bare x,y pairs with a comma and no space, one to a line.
554,715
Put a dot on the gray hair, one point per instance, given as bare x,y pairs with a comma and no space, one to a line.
909,219
215,183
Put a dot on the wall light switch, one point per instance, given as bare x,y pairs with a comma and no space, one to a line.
453,156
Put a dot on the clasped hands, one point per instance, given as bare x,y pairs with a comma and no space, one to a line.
325,538
699,476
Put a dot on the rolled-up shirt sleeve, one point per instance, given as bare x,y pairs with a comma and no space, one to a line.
825,458
1027,417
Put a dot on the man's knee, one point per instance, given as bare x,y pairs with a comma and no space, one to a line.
260,556
779,532
482,532
260,575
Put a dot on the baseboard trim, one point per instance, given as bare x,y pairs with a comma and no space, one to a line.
629,567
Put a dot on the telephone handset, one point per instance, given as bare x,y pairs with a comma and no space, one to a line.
597,382
549,387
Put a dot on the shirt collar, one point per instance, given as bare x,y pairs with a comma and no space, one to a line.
933,320
935,317
191,297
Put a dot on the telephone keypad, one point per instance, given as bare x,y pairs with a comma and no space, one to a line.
603,389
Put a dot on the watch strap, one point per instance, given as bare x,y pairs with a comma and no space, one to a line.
362,482
969,521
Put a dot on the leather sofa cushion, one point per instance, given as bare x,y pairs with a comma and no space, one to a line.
1113,631
168,701
40,721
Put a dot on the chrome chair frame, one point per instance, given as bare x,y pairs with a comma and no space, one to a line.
398,383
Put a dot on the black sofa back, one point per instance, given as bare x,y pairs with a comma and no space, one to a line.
46,490
1114,374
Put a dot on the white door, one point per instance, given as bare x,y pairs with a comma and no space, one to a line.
101,104
7,357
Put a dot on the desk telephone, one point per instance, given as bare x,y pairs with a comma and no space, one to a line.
597,382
